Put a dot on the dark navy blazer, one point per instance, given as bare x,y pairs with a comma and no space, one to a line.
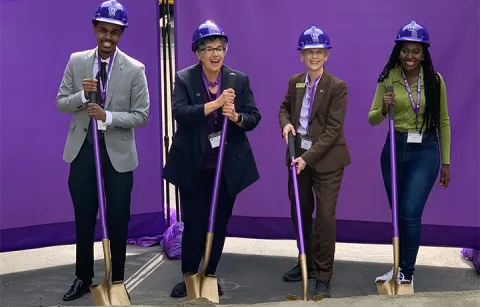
185,158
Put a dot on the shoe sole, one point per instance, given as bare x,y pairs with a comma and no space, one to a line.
77,297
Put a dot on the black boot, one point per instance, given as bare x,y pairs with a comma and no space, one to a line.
295,274
322,288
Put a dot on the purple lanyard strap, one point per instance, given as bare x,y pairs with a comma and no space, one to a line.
311,96
416,107
212,84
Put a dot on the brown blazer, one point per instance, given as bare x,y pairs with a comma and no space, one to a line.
329,151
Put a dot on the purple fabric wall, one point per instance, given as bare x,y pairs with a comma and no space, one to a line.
37,38
263,36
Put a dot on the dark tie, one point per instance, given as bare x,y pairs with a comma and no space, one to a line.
102,73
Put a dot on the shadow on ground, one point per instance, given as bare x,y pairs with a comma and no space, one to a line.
246,279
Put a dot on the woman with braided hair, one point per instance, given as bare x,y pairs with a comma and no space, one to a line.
422,136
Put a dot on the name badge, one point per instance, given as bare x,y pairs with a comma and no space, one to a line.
306,142
414,137
101,125
214,139
300,85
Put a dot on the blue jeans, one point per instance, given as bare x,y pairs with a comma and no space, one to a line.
418,165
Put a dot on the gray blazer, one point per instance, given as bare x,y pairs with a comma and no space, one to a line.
127,99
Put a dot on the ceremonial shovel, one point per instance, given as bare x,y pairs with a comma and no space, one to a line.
392,287
105,294
302,255
199,285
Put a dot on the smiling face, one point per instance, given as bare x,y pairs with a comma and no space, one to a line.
108,35
314,58
411,56
211,53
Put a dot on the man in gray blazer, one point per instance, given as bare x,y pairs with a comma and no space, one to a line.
121,89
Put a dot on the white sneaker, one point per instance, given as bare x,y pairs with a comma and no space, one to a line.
388,276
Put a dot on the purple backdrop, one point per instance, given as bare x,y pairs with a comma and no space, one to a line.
263,36
35,204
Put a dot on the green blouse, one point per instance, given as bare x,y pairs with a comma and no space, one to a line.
404,114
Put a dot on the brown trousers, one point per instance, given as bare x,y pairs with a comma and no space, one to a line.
320,241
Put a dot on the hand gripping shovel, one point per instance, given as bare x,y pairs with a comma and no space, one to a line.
104,294
199,285
303,256
392,287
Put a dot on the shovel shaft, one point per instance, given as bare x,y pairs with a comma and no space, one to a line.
393,166
98,172
293,169
218,174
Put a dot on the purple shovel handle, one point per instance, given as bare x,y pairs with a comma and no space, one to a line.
393,166
291,151
218,174
98,171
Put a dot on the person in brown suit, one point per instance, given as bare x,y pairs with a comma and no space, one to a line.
321,153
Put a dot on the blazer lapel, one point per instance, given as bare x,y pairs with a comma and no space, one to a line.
196,83
114,76
320,93
299,97
89,58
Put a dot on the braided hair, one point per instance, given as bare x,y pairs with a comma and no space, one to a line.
431,116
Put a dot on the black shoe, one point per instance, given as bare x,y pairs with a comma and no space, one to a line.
78,288
295,274
322,288
180,290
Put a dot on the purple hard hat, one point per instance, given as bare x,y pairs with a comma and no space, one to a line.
313,37
413,32
208,28
111,11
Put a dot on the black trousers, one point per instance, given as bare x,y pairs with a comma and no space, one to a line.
196,210
83,191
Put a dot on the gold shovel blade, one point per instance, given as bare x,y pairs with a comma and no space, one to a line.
118,294
199,285
390,287
303,266
404,289
100,295
192,282
110,295
209,289
100,291
386,288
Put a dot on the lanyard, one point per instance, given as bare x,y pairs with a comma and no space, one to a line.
311,96
206,83
103,89
416,108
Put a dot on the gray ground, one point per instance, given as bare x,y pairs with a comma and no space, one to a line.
250,273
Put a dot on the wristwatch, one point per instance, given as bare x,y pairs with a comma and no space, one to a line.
239,119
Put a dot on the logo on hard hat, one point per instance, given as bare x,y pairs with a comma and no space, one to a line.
412,26
112,11
314,36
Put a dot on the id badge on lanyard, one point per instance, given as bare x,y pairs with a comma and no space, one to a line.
413,135
214,138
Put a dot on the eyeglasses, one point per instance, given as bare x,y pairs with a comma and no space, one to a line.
210,50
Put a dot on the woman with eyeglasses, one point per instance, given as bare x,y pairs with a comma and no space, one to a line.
200,101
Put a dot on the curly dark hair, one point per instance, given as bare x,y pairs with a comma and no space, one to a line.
431,83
